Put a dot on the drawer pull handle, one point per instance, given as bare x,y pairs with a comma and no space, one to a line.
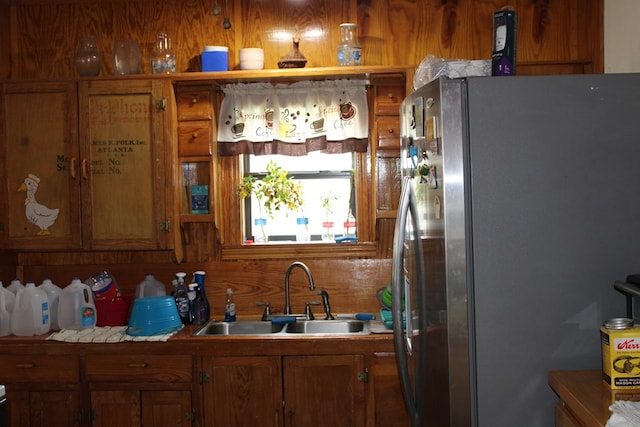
25,365
390,130
138,365
194,100
194,135
390,95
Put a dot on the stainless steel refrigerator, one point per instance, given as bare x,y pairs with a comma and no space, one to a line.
520,208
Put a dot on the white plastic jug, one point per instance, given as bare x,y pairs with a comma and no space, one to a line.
9,298
5,317
150,287
76,309
53,295
30,314
15,286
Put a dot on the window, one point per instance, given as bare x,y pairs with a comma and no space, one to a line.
329,208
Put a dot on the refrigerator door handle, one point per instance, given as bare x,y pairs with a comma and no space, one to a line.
400,291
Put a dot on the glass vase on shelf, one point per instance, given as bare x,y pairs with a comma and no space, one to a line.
349,50
88,57
163,60
126,57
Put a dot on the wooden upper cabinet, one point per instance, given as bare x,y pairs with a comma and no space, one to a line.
107,189
125,166
40,195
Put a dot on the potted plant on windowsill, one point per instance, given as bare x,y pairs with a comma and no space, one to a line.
276,191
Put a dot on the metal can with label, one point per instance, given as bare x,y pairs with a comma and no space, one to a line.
620,341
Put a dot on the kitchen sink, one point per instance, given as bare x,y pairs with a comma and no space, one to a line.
328,327
239,327
300,327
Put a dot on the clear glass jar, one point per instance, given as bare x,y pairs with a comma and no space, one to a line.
88,57
163,60
349,50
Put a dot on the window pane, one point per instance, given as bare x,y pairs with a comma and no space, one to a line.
324,177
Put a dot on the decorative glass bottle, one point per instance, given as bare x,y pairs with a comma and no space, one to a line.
163,61
88,57
349,50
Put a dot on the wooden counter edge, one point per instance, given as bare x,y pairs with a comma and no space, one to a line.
584,395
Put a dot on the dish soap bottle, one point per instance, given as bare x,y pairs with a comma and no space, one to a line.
229,307
198,307
181,296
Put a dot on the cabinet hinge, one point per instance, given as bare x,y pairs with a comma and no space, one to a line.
164,225
363,376
204,378
161,104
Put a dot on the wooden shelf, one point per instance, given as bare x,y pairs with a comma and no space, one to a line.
191,218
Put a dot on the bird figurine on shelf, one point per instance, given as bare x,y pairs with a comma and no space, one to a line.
37,214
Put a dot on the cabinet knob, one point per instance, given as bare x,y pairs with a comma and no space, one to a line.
194,100
194,135
390,95
390,130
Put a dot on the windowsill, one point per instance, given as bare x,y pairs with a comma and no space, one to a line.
288,250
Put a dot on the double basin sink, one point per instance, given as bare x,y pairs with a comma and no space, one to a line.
297,327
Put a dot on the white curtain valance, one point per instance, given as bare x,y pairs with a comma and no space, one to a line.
261,118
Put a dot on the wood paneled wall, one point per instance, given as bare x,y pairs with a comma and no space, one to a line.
38,39
42,35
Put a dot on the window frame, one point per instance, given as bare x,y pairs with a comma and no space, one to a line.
231,225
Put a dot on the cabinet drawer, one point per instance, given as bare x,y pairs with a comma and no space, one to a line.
388,99
388,133
37,369
138,368
194,138
194,105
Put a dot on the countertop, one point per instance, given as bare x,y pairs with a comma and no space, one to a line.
184,343
587,396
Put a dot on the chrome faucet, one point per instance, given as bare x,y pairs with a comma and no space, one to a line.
312,286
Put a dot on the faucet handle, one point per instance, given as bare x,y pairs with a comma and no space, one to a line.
325,303
266,314
307,309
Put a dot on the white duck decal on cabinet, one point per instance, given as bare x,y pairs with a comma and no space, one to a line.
37,214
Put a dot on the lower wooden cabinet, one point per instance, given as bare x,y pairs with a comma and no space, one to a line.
140,390
103,388
45,408
134,408
285,391
42,390
242,391
389,409
324,390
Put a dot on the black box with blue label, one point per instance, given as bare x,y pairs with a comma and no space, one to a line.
503,60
